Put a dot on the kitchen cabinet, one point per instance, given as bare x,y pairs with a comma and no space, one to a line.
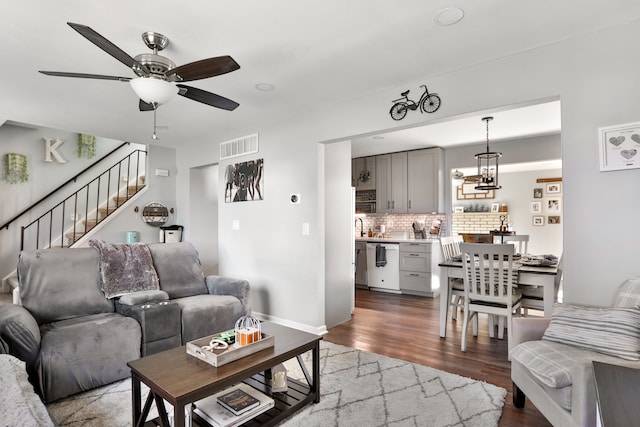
419,271
391,183
425,183
363,173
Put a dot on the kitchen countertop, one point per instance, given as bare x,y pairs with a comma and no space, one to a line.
393,240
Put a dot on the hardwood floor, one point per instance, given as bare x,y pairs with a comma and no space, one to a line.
407,327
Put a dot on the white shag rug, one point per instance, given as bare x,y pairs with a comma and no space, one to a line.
357,388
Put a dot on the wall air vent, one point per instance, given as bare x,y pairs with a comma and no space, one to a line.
239,146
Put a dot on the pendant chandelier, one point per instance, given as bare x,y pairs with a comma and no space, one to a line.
488,166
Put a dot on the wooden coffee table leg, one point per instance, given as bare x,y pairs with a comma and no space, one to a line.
316,371
136,400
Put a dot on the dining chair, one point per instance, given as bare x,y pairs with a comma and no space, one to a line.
521,242
533,296
450,249
490,285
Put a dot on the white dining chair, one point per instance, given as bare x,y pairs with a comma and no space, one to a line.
533,296
490,285
520,241
450,249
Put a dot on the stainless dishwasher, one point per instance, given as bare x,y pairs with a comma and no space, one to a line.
361,264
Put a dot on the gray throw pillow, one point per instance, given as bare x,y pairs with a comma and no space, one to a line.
125,268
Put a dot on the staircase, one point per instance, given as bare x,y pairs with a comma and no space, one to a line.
75,217
95,218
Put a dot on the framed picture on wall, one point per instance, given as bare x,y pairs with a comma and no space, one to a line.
554,188
495,207
553,219
553,205
537,193
538,220
536,207
619,146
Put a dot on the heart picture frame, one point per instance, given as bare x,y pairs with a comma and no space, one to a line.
619,146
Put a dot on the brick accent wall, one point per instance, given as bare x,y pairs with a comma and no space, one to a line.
476,222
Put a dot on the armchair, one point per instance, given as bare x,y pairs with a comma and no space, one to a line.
551,358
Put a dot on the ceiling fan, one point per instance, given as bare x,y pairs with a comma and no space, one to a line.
158,78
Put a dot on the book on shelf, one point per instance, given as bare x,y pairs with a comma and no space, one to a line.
215,413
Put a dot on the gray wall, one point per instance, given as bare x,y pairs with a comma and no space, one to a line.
284,267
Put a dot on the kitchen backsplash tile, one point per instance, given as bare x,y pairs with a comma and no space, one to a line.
399,222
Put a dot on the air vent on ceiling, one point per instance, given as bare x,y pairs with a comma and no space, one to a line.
239,146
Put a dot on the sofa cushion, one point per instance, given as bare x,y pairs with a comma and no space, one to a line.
84,353
19,404
629,293
549,362
179,269
204,315
612,331
61,283
125,268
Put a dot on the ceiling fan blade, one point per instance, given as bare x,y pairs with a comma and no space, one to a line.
107,46
85,76
207,97
145,106
203,69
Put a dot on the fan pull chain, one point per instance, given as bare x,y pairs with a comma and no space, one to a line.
155,108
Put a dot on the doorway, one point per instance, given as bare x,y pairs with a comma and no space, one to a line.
203,215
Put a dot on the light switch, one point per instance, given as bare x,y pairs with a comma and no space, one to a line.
235,225
305,228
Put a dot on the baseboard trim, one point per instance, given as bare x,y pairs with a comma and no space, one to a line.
318,330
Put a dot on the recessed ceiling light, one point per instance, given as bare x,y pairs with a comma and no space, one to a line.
449,16
265,87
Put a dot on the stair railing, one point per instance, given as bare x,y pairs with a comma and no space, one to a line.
61,186
88,201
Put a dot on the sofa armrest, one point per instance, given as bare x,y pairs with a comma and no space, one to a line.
528,329
239,288
19,333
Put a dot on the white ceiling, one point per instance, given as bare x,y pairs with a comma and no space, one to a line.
315,53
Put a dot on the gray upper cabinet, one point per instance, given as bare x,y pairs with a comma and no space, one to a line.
363,173
425,183
391,183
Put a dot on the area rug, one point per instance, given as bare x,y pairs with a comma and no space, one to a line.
357,389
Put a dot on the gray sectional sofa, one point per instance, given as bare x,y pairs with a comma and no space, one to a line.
76,331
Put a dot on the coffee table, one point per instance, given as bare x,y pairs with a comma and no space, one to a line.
181,379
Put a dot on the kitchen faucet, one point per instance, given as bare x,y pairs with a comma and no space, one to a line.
361,226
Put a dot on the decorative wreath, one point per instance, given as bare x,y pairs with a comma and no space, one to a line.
364,176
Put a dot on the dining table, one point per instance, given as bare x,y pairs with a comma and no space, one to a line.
527,275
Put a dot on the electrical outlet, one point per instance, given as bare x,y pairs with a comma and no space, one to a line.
235,225
305,228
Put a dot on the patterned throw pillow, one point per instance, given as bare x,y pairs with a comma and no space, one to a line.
125,268
612,331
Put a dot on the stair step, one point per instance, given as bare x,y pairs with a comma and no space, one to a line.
120,199
73,237
132,189
103,211
90,223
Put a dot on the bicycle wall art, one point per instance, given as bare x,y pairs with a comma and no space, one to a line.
428,103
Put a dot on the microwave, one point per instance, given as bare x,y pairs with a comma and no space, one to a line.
366,207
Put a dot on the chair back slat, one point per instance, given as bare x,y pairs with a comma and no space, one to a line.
488,270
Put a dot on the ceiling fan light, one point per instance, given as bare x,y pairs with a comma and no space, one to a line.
152,90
